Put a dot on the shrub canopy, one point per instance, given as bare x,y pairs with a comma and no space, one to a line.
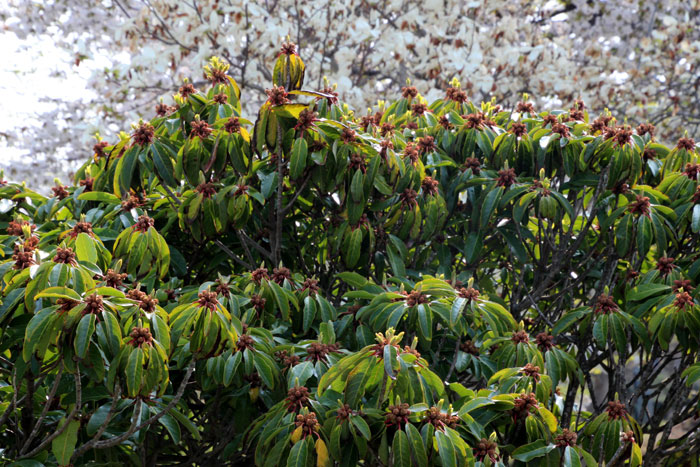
427,284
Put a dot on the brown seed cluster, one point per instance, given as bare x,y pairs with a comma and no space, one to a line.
288,360
348,135
309,424
87,182
258,303
297,397
616,410
440,419
200,128
311,285
665,265
288,48
245,342
646,128
15,227
430,186
641,206
253,379
208,300
143,135
416,297
518,129
357,162
221,98
561,129
606,305
692,171
683,284
344,412
65,305
520,337
318,351
473,164
397,415
408,197
306,120
145,301
456,95
682,301
280,274
258,275
566,438
506,177
93,304
65,256
131,202
426,144
143,223
409,92
186,90
550,119
525,107
469,347
23,259
222,288
81,227
484,449
99,149
232,125
445,122
163,109
544,341
419,109
277,96
60,191
206,189
469,293
686,143
474,121
114,279
531,371
140,337
412,153
523,403
623,135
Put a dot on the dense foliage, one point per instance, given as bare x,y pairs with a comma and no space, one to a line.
639,58
427,284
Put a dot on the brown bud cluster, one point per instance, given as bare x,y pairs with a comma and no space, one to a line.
686,143
258,275
408,197
208,300
297,397
93,304
65,256
309,424
605,305
430,186
641,206
440,419
409,92
311,285
469,347
206,189
280,274
318,351
186,90
684,284
143,135
506,177
525,107
544,341
15,227
682,301
258,303
616,410
114,279
23,259
523,404
306,120
665,265
232,125
397,415
277,96
566,438
245,342
484,449
140,337
520,337
60,191
531,371
143,224
288,360
457,95
81,227
200,128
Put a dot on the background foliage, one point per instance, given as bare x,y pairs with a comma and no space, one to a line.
638,58
430,283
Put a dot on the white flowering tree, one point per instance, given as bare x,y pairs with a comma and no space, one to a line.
638,58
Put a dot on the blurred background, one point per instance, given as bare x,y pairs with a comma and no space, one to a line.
71,69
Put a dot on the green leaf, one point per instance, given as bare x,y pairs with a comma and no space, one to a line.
134,372
489,205
446,449
417,446
695,219
643,291
401,450
532,451
299,456
361,425
99,196
353,279
63,445
85,248
297,163
59,292
549,419
83,334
